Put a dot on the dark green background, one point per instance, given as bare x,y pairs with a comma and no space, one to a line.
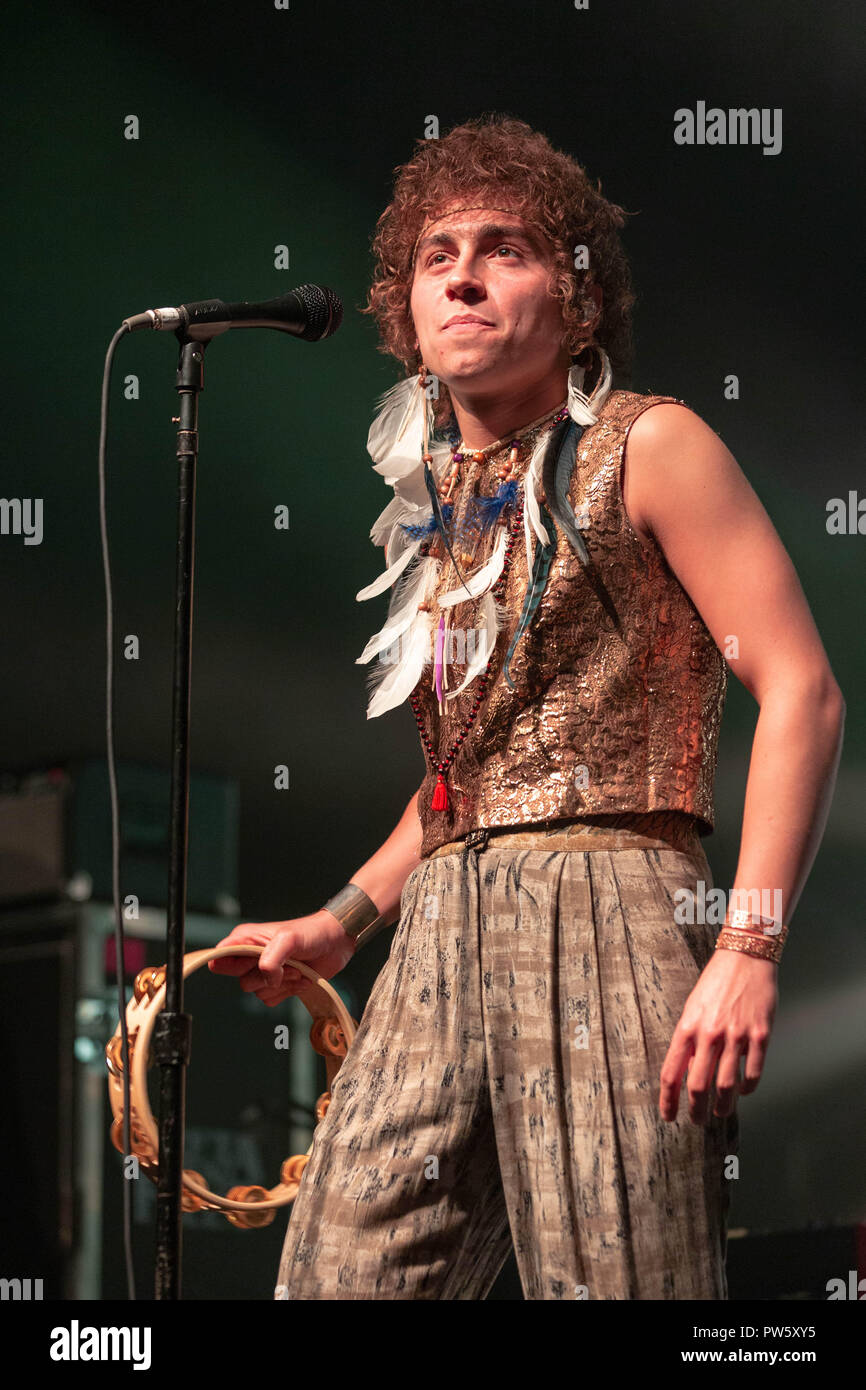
261,127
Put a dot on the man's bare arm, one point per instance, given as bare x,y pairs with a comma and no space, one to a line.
384,874
689,491
319,938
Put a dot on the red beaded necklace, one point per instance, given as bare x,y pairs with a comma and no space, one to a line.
440,794
441,766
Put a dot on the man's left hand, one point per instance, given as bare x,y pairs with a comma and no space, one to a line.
728,1014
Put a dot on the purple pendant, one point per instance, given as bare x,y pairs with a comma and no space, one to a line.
440,647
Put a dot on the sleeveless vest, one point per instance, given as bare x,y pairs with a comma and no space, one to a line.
619,686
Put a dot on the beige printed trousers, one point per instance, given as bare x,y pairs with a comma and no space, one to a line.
503,1087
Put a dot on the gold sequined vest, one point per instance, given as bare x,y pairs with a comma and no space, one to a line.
617,704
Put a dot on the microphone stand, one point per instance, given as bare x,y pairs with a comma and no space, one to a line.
173,1028
311,312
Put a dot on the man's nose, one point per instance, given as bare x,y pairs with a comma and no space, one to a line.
465,277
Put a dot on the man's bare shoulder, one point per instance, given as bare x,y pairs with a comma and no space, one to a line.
689,491
664,418
665,438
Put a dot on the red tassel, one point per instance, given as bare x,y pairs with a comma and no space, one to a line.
440,795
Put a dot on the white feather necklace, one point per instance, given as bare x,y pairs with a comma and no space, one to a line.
399,437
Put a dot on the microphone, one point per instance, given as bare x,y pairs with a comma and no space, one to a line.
310,312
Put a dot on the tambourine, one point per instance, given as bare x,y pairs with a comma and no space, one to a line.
331,1034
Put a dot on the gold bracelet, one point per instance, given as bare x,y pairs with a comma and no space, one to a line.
358,913
753,944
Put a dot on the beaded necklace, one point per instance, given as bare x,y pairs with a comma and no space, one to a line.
481,516
417,526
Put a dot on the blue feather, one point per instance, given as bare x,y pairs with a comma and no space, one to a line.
489,509
439,520
420,530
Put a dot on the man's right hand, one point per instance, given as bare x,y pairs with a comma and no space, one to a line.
319,940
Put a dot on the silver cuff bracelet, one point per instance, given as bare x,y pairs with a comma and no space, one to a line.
358,913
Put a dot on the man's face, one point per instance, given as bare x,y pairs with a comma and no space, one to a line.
493,267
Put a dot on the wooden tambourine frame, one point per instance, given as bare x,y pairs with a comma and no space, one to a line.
331,1034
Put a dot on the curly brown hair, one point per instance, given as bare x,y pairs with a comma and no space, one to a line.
499,161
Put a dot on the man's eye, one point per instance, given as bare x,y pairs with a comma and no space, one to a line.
433,258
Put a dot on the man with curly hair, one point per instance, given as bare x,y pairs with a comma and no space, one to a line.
516,1075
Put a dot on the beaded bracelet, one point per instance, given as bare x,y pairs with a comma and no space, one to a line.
753,941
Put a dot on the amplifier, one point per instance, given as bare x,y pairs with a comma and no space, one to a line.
55,836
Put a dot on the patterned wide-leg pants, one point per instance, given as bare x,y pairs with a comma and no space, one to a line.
503,1087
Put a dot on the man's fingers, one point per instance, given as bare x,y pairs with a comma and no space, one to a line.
701,1078
253,981
272,997
672,1073
293,983
232,965
272,981
244,934
256,981
727,1079
272,959
265,972
754,1063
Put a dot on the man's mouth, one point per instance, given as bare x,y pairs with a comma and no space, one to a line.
467,321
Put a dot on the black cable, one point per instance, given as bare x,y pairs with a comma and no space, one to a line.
115,817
